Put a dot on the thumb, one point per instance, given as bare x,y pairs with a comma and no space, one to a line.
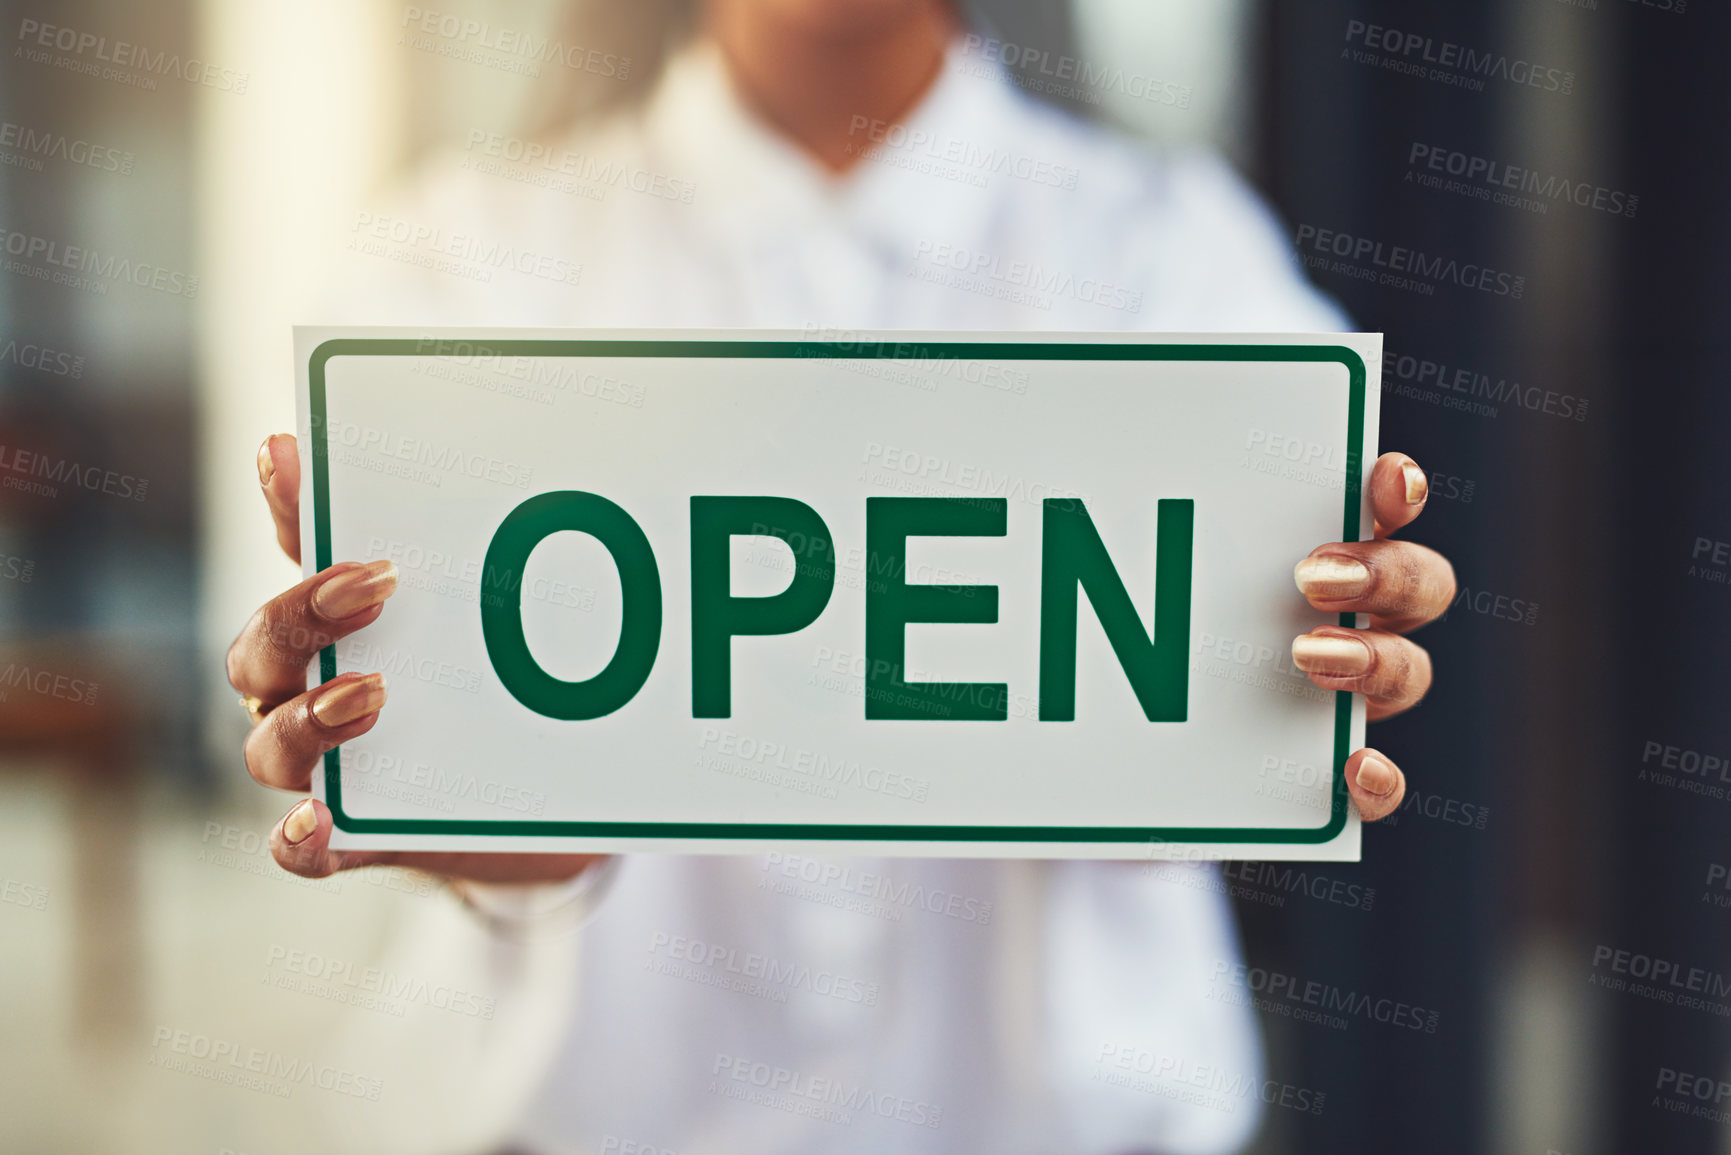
279,477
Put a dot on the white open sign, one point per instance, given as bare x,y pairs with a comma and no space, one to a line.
910,593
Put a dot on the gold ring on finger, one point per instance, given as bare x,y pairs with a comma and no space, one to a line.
256,708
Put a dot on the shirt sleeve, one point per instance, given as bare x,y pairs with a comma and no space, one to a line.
1150,1049
1219,258
511,908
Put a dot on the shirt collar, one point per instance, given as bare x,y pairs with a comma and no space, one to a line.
752,182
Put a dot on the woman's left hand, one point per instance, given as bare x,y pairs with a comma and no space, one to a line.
1401,586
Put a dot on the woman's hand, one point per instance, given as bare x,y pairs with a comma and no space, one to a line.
1401,586
268,662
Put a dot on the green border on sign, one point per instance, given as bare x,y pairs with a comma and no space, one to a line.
853,351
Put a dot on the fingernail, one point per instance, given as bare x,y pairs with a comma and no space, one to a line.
1375,776
300,822
340,705
1331,577
354,590
1330,654
1417,485
266,467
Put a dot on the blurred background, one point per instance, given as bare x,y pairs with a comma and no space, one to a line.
1565,801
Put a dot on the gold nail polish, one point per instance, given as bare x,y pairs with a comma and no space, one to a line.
340,705
1330,654
1417,484
266,466
300,822
1375,776
354,590
1331,577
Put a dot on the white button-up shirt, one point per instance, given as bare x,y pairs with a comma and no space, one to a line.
779,1003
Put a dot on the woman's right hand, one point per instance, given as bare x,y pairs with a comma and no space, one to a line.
269,660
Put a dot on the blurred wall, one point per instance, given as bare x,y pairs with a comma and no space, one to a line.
280,176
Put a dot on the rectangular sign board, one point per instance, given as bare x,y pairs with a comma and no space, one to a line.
981,594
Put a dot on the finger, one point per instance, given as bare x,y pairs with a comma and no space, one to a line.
1390,671
1404,585
269,658
283,750
1398,489
301,844
279,477
1375,783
